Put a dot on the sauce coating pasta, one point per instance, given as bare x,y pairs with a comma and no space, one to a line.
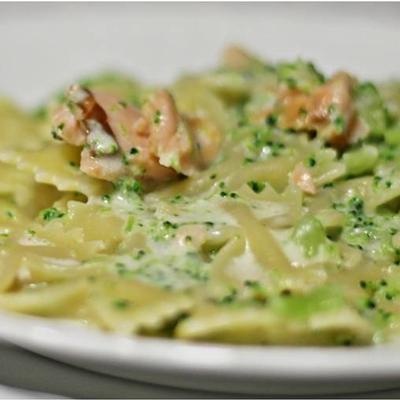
254,203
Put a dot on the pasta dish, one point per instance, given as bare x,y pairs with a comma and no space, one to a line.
254,203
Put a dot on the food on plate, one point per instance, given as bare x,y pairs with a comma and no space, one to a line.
253,203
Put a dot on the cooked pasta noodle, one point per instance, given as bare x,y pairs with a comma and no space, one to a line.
255,203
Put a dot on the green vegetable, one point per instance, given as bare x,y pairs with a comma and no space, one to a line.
256,187
392,135
128,186
361,161
10,214
311,162
130,223
310,235
320,300
51,213
371,108
229,298
157,117
356,206
300,75
133,151
56,132
121,304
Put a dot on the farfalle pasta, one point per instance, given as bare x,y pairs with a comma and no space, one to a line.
254,203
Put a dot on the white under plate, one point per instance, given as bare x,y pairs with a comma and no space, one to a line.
239,369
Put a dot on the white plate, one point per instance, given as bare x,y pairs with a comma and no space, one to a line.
239,369
45,46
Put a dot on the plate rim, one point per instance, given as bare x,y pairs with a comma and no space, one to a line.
60,337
